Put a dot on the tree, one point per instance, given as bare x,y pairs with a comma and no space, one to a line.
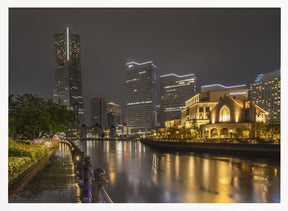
272,129
31,117
61,119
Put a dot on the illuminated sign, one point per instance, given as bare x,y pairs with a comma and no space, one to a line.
142,102
237,93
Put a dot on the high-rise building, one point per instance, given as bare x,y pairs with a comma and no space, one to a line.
140,96
174,91
67,89
265,91
98,112
114,116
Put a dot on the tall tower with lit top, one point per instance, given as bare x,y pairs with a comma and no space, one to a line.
67,88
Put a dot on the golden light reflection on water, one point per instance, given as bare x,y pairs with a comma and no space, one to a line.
138,173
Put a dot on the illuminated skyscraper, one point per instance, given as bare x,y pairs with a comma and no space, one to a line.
140,96
174,91
67,89
265,91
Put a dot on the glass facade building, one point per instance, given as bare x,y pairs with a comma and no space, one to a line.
67,88
174,91
114,115
140,96
98,112
266,92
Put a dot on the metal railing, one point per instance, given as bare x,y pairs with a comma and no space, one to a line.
88,179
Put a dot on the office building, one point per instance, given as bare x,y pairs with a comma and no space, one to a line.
98,112
114,115
174,91
140,96
67,88
266,92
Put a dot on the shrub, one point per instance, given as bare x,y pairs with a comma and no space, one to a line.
35,152
17,165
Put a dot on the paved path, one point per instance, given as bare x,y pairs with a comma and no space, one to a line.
56,183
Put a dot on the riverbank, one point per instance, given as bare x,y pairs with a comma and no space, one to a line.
270,151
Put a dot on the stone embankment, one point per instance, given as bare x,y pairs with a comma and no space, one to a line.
247,149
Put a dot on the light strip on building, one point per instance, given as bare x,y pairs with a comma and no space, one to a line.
226,87
67,33
237,93
179,76
131,63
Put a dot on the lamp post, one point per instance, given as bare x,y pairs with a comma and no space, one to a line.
206,133
230,133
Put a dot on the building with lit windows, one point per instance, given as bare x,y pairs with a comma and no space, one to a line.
140,96
114,117
174,91
223,113
231,116
201,104
98,112
265,91
67,88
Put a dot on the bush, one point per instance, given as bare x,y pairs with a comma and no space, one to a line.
17,165
23,155
35,152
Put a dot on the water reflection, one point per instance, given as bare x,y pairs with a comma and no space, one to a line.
138,173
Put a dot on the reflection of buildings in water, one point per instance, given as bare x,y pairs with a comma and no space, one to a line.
177,167
154,169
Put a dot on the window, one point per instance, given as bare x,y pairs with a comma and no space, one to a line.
200,109
247,104
224,114
207,109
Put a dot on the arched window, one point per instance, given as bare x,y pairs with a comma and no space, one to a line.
214,133
224,114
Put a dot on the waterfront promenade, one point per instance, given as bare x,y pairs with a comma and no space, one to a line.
55,183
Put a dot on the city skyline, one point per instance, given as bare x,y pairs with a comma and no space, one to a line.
226,46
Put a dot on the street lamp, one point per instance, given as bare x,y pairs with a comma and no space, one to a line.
230,133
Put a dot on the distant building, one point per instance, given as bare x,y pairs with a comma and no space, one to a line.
232,118
114,118
220,87
266,92
200,105
98,112
67,88
223,113
173,123
140,96
174,91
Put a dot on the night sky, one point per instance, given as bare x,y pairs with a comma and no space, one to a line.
227,46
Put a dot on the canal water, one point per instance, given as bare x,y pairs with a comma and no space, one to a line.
140,174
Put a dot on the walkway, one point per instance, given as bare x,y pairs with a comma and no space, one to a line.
56,183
